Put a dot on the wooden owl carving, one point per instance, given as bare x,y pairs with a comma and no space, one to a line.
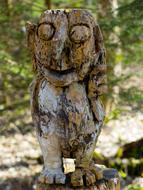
69,59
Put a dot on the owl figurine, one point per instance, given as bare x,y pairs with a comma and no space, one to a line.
69,60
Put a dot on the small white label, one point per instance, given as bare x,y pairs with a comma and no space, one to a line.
69,165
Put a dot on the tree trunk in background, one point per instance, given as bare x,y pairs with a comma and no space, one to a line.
104,12
118,54
48,4
5,6
108,11
88,2
104,7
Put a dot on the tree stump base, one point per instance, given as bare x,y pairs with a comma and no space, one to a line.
110,181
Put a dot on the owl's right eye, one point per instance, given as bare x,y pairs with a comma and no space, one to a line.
80,33
46,31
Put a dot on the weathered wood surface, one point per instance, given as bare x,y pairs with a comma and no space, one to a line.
110,181
69,59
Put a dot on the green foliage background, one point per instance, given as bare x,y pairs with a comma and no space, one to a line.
125,23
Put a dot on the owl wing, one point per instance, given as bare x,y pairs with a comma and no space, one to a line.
97,87
97,84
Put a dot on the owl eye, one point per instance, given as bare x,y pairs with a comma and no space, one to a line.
80,33
46,31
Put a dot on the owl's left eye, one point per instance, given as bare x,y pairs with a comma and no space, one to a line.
46,31
80,33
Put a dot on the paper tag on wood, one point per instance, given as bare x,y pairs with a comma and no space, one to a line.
69,165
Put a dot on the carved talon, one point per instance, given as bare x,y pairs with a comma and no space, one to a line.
46,177
60,179
97,171
89,178
77,178
51,178
82,177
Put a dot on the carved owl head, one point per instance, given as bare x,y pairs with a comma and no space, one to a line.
65,40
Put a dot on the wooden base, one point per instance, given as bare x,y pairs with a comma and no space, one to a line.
110,181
